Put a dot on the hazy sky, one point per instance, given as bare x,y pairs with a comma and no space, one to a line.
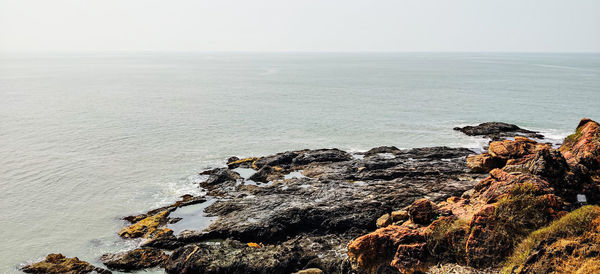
301,25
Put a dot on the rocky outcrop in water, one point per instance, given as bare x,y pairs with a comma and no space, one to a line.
498,131
299,209
58,263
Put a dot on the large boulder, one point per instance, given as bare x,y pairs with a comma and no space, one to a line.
484,162
422,211
521,146
583,147
376,250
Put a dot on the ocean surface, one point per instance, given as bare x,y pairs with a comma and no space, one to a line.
86,138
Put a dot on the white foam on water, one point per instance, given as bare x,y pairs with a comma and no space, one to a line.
294,174
554,136
386,155
358,156
174,190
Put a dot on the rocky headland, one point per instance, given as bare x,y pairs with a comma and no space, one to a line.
518,207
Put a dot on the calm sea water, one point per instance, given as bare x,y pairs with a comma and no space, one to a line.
88,138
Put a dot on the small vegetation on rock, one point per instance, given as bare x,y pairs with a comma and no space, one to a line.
560,233
520,212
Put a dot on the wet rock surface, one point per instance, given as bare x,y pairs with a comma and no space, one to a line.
498,131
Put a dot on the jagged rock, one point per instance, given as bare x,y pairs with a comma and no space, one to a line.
521,146
321,155
382,149
484,162
338,198
231,256
422,211
283,159
266,174
384,220
185,201
146,227
498,131
221,175
138,258
235,162
583,147
376,250
399,215
480,230
58,263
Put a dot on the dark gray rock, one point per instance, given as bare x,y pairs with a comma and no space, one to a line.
231,256
498,131
136,259
221,175
307,220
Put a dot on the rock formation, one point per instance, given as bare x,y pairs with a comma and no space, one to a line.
530,185
387,210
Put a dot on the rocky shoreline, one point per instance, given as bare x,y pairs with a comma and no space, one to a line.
386,210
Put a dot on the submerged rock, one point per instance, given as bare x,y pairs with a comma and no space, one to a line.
58,263
498,131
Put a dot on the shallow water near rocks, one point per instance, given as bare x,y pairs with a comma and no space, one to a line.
88,138
193,217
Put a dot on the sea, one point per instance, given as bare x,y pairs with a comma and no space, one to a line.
89,137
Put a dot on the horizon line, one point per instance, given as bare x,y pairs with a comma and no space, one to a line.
281,51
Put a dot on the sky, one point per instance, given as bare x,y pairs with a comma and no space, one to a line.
301,25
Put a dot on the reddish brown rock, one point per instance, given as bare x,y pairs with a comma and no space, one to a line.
422,211
479,231
518,148
411,257
58,263
484,162
583,147
377,249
